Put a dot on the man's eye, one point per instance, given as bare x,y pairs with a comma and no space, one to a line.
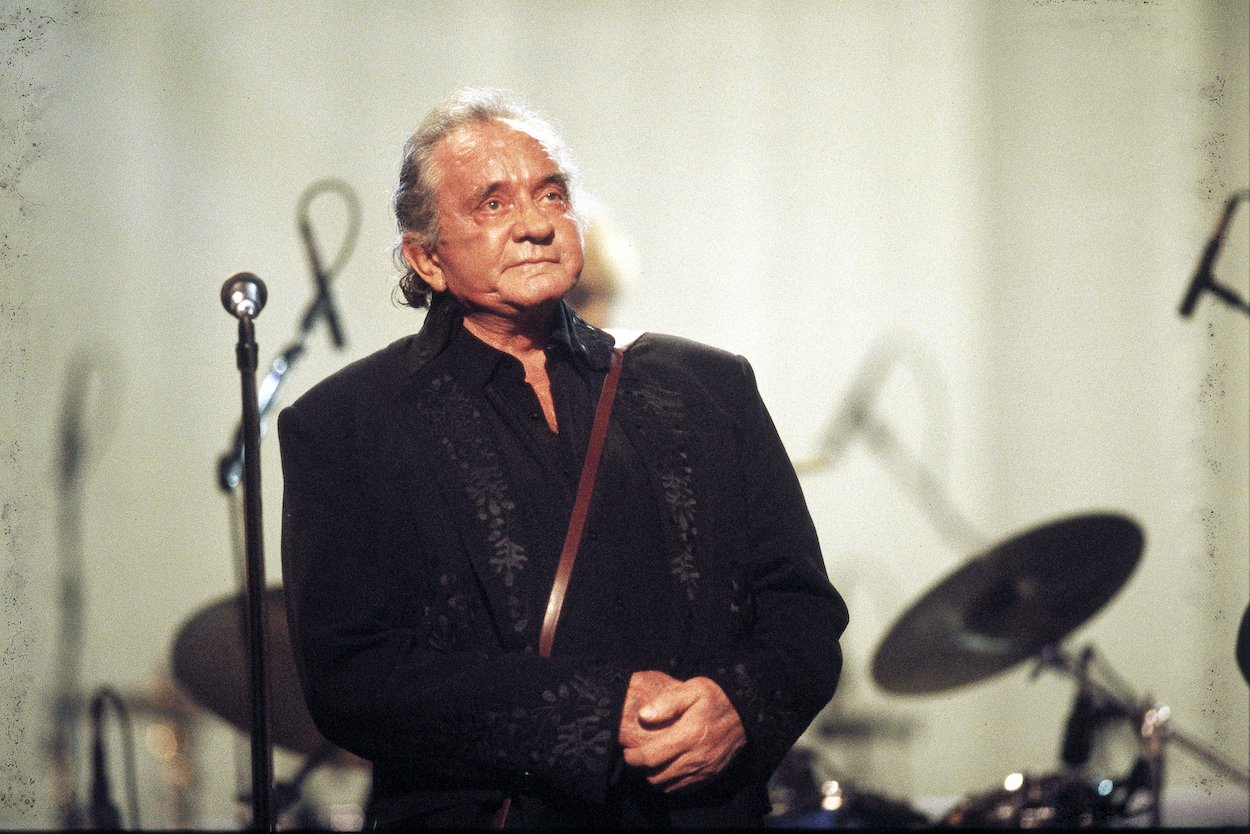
492,205
554,196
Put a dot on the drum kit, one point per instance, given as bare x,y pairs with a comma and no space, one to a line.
1013,603
210,661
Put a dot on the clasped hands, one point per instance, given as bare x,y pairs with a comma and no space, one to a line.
678,733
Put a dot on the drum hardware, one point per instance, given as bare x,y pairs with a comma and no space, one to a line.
1071,799
1018,600
210,663
802,799
836,803
1005,605
289,809
865,726
1063,800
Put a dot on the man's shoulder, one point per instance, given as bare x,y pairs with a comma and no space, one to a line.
676,356
361,380
679,364
678,351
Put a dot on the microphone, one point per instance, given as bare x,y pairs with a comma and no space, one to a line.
104,813
72,441
1203,279
325,301
243,295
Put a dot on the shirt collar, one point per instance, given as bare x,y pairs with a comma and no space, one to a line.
575,338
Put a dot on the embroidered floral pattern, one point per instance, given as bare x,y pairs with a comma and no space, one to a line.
485,486
448,615
769,714
570,732
657,414
579,714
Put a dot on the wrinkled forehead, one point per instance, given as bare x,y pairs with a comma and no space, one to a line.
475,137
541,132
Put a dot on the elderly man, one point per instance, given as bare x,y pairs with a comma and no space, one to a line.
429,488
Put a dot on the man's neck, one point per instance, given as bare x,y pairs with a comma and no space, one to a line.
523,337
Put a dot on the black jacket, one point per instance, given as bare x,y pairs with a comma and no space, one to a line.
398,551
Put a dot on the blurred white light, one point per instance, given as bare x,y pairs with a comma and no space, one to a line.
1014,781
831,793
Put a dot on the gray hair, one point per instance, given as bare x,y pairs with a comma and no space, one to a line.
416,196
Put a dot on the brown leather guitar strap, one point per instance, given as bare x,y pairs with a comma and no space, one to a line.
577,526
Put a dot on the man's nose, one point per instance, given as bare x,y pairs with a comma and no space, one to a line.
532,222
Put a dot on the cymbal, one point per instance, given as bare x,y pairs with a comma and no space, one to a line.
210,660
1006,604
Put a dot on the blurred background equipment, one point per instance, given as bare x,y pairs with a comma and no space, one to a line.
1007,604
856,418
1204,276
1203,282
210,663
321,308
1017,601
89,411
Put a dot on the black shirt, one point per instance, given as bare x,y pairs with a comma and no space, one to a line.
604,617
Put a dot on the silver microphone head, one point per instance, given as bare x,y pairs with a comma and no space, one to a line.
243,294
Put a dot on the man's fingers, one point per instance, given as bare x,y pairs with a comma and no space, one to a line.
680,773
652,755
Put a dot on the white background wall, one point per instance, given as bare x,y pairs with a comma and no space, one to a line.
1011,195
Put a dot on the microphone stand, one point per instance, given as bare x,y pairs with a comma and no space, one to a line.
230,464
1203,282
857,416
242,463
64,743
74,453
262,750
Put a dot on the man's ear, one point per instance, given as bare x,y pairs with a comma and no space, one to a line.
423,261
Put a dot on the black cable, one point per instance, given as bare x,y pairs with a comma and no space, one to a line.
350,200
107,695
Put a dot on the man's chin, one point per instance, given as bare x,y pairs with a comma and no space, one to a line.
540,291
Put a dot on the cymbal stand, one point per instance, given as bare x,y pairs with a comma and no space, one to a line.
1153,723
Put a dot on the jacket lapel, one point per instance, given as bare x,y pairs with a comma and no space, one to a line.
472,480
447,441
657,422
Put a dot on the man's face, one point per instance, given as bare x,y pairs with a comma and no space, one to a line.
509,243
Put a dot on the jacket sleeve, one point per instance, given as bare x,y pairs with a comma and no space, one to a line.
786,668
379,679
